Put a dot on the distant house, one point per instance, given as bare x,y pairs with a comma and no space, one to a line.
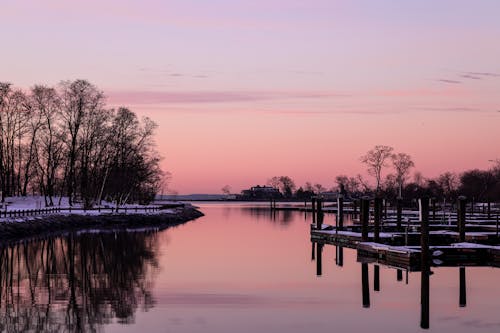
261,192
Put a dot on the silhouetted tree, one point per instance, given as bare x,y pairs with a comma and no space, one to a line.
478,184
57,141
402,164
226,190
375,160
284,183
78,98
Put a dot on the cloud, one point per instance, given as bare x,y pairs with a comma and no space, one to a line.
170,73
490,74
448,109
190,97
449,81
470,76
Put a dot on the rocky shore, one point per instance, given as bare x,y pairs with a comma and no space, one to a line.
62,223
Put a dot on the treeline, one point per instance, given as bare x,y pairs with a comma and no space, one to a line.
64,142
477,185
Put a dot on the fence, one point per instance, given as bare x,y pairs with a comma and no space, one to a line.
52,210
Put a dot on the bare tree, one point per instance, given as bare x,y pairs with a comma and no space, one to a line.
48,145
375,160
402,164
64,140
319,188
284,183
309,187
13,126
78,99
226,190
350,184
449,183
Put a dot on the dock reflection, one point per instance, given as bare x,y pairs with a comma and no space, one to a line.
425,274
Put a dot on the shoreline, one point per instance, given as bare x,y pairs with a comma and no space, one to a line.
53,225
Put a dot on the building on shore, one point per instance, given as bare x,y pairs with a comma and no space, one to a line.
260,193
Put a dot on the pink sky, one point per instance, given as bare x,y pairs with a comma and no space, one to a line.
243,91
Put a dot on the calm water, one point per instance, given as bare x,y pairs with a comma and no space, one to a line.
238,269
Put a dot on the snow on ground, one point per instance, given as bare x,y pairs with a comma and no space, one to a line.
13,207
38,202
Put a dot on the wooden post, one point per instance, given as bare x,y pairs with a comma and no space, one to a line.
377,203
355,206
376,278
385,208
365,216
433,210
497,225
319,259
319,218
340,256
462,202
313,251
425,262
472,207
399,212
489,209
399,275
463,289
340,211
424,298
313,209
365,286
424,229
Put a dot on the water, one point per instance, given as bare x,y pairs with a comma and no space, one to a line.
238,269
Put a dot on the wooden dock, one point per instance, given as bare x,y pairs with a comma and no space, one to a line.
445,239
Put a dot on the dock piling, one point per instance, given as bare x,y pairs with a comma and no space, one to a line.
399,212
463,289
365,286
340,256
497,225
319,259
319,218
340,211
365,216
399,275
377,218
462,202
313,209
425,262
376,278
424,229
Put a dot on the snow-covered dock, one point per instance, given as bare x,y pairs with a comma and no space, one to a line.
462,240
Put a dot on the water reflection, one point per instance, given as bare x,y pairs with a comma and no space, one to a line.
283,217
76,283
425,274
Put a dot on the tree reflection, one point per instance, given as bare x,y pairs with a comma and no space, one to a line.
283,217
76,283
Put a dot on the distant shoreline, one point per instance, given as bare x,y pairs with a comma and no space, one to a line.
52,225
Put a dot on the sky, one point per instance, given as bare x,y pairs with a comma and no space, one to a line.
246,90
